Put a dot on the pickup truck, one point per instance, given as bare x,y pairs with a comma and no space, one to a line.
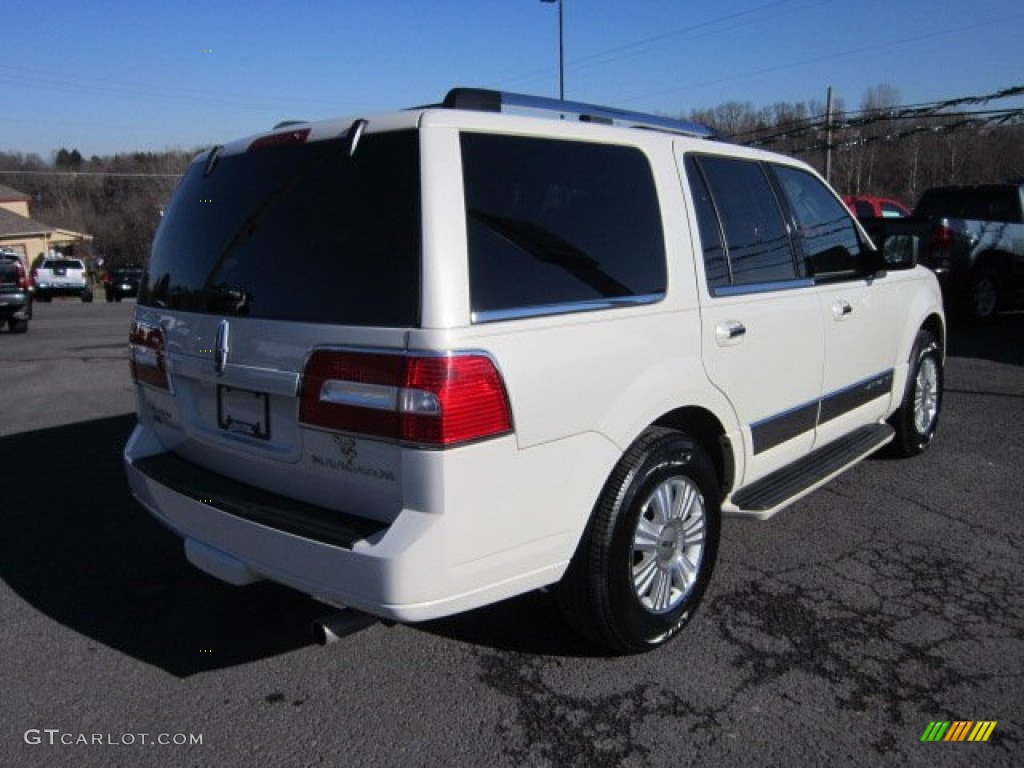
972,237
15,298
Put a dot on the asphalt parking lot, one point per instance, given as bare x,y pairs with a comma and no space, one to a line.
831,635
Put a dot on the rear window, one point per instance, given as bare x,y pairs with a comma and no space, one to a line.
559,226
983,203
63,264
300,232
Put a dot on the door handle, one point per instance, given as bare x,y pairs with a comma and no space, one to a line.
730,332
841,309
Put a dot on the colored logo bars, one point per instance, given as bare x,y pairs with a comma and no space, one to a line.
958,730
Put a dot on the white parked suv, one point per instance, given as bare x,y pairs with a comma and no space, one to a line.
61,276
418,362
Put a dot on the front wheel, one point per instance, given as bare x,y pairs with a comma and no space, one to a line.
648,552
918,416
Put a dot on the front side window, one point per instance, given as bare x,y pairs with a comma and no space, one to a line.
757,244
825,232
559,225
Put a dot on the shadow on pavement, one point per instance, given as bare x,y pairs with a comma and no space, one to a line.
1000,342
530,624
76,547
79,549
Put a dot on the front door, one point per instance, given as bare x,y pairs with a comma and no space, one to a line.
763,341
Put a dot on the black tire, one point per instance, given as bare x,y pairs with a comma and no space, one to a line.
110,297
983,297
918,416
87,296
17,326
600,594
117,298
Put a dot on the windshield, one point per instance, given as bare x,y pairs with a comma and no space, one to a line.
296,232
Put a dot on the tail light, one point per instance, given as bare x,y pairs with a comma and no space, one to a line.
943,236
428,401
148,356
22,279
942,248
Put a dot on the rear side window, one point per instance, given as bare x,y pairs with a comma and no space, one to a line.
303,232
757,245
825,232
556,226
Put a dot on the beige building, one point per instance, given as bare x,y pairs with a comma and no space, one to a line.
27,237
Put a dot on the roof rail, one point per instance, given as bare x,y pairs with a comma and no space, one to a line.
482,100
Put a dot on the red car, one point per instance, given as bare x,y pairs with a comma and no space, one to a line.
869,207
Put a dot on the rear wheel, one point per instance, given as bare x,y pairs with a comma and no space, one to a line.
918,416
17,326
983,296
648,552
87,296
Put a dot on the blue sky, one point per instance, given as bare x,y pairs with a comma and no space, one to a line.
111,76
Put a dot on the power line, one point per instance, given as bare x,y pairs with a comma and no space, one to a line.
862,118
113,174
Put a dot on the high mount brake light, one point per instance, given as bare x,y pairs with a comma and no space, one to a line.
423,400
279,139
147,353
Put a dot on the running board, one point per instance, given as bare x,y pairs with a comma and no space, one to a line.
787,484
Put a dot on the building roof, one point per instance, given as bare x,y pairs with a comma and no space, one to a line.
11,195
12,224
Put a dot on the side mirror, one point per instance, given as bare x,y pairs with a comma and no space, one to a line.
900,251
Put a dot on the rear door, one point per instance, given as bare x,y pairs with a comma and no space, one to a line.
762,336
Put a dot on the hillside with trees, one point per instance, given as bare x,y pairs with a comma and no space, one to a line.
881,148
116,199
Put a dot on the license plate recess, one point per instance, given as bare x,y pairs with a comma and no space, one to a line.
243,412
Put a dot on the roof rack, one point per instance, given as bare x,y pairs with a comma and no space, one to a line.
482,100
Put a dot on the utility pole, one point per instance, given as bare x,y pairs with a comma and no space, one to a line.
828,135
561,48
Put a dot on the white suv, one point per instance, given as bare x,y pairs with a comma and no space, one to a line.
419,362
61,276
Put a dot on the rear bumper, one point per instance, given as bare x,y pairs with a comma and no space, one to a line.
60,289
121,289
421,566
16,305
